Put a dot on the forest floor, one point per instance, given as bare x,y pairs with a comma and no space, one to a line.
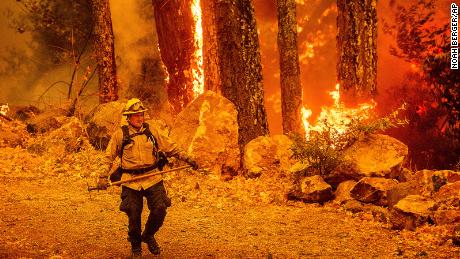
46,212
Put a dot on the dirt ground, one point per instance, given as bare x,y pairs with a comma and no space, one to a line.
46,212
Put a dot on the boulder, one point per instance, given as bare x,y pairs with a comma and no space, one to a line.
354,206
444,217
451,176
67,139
374,155
448,195
268,155
103,121
446,176
71,135
429,181
208,130
426,183
411,212
373,190
13,133
343,191
312,189
46,121
401,190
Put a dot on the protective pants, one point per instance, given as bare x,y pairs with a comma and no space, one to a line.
132,205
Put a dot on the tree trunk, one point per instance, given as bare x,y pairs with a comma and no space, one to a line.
105,51
240,66
175,27
291,89
357,46
212,79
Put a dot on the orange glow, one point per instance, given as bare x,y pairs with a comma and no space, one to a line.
337,118
299,29
197,71
309,53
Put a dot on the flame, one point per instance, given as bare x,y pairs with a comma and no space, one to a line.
337,118
306,113
197,71
4,109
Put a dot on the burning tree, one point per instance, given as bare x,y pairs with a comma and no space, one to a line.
238,62
176,27
291,89
356,46
212,79
104,50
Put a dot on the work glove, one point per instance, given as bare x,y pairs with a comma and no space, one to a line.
192,163
102,183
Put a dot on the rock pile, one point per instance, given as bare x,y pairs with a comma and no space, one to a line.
372,178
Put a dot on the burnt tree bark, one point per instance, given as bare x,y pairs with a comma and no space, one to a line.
175,28
240,66
105,51
357,46
291,89
212,79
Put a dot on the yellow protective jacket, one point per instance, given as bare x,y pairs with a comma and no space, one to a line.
138,154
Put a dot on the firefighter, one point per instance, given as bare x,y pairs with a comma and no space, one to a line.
139,147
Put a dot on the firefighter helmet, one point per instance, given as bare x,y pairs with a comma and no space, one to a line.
133,106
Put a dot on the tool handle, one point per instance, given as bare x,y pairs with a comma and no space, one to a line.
117,183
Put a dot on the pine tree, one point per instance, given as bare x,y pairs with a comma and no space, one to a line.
357,46
291,89
105,51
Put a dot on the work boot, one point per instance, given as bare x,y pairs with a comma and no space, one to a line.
152,245
136,251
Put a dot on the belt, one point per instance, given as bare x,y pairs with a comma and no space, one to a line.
139,170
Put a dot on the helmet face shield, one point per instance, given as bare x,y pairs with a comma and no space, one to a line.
134,106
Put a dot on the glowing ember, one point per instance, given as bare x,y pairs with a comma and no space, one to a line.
4,109
336,119
197,71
